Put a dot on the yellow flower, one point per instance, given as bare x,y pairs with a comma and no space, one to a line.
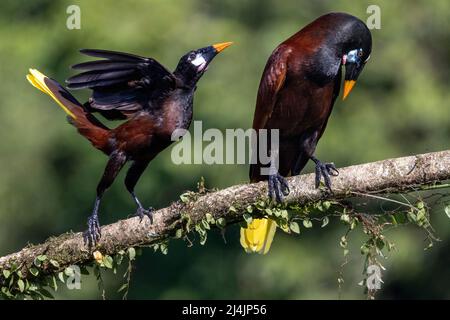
98,256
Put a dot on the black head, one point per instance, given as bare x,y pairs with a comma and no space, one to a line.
338,39
356,53
193,64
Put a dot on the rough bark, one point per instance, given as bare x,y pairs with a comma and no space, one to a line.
392,175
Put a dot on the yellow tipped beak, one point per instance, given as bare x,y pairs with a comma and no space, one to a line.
348,86
221,46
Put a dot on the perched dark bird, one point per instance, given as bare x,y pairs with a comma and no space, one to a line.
299,86
155,101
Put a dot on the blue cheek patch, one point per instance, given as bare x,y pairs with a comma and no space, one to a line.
353,56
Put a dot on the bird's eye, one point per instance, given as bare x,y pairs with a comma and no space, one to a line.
360,53
192,56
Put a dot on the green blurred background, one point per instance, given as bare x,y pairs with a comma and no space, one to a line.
399,107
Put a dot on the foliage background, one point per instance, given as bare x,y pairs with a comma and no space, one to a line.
48,173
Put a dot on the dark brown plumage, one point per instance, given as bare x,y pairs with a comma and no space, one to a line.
298,88
301,82
154,101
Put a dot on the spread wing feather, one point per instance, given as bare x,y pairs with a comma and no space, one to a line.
121,81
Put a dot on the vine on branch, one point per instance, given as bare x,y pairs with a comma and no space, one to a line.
409,187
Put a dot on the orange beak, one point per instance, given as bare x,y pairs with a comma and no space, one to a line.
348,86
221,46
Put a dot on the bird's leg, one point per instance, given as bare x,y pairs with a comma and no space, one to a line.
116,161
277,184
132,177
278,187
308,143
324,170
141,212
93,233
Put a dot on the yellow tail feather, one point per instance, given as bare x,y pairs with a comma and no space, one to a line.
37,79
258,236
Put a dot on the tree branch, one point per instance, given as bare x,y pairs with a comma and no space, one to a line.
393,175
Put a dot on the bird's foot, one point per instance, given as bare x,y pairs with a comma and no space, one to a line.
325,170
92,235
141,213
278,187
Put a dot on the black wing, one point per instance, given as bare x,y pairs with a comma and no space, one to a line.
123,82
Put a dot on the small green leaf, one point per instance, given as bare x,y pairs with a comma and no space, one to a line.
199,228
6,273
210,218
178,233
232,209
184,197
268,211
206,224
307,223
61,277
420,205
294,227
365,249
249,209
108,261
284,214
394,220
283,225
54,263
325,221
411,217
421,215
326,205
42,257
131,253
21,285
345,218
37,262
261,204
54,285
343,242
248,218
164,248
13,267
118,259
34,271
221,222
